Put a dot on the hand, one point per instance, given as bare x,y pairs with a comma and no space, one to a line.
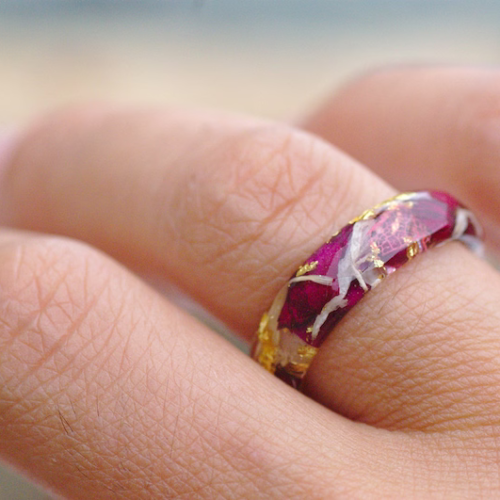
107,390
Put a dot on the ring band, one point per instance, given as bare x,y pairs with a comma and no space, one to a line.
352,262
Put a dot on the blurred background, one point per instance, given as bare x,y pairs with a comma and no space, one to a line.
273,58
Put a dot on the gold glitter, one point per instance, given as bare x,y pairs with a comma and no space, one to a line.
403,197
395,202
336,233
412,250
311,266
374,255
297,370
395,225
307,352
390,204
309,329
268,350
366,215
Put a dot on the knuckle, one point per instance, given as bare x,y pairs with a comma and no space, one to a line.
272,167
257,203
272,178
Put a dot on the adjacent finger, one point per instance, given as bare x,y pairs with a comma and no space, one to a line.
108,391
423,128
228,208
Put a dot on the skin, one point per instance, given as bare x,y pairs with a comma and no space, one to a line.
108,390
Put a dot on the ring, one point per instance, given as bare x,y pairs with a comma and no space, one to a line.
352,262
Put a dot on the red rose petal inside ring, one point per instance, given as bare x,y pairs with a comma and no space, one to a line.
355,260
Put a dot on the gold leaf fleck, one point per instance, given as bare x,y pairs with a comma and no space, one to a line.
306,268
412,250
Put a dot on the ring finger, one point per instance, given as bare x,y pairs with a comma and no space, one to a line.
227,208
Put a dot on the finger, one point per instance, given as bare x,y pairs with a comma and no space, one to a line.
205,199
421,128
229,208
107,391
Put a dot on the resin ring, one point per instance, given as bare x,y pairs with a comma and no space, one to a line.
352,262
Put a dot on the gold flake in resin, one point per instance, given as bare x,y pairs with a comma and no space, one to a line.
306,268
395,225
412,250
403,197
336,233
297,370
307,352
267,348
374,257
366,215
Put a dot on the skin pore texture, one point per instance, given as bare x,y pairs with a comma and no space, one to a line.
107,390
